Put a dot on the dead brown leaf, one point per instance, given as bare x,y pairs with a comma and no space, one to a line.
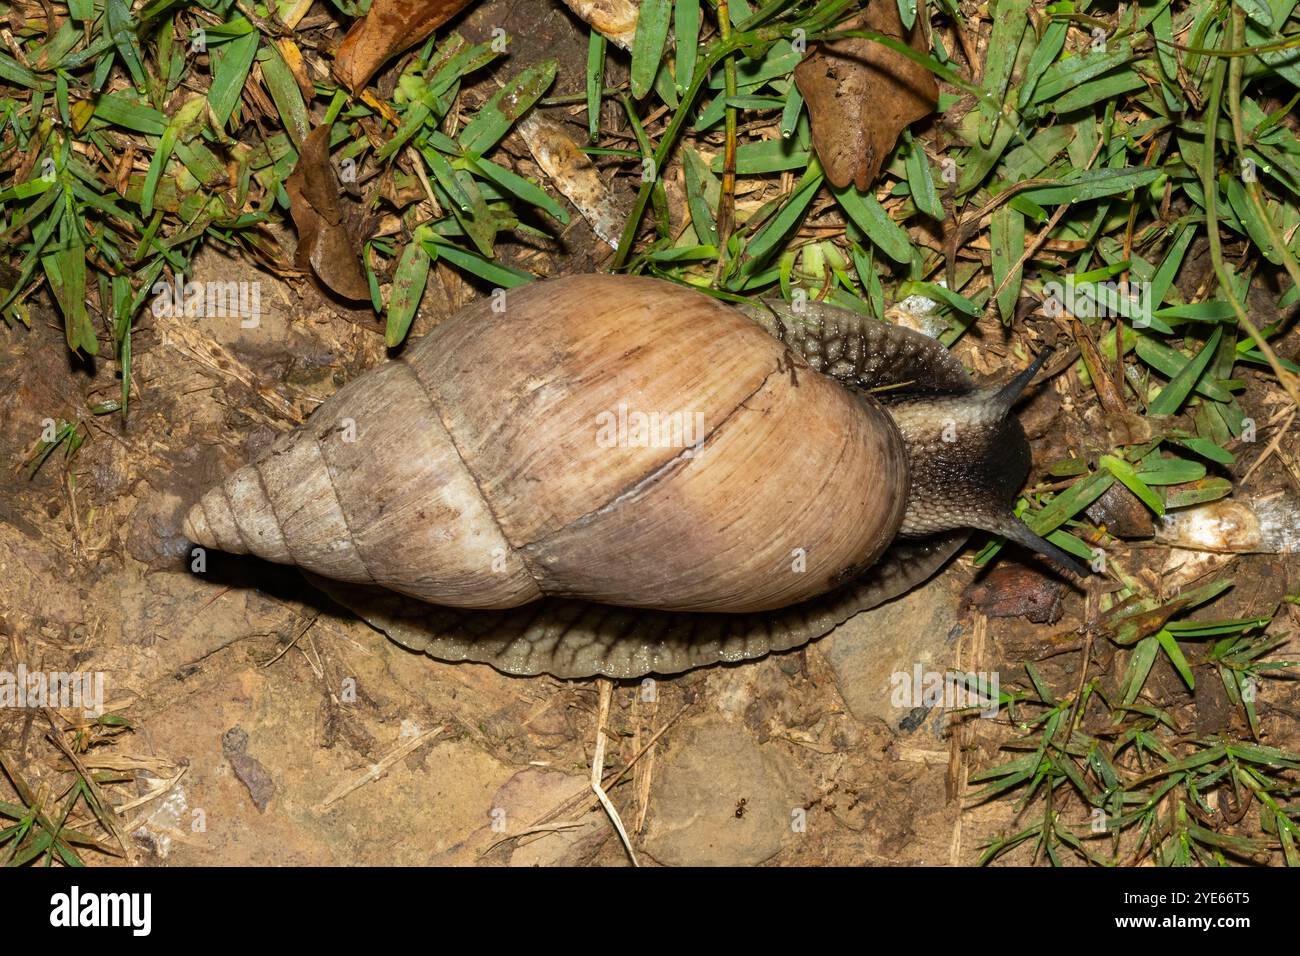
574,175
862,95
1120,512
1111,396
390,27
324,242
1014,590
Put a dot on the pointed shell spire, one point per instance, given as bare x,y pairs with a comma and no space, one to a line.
372,491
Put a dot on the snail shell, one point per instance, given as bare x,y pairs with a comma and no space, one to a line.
492,463
493,466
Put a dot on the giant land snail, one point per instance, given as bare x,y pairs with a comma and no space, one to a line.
618,475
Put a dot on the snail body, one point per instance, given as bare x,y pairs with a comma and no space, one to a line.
629,448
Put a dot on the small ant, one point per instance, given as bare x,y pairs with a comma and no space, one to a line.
740,807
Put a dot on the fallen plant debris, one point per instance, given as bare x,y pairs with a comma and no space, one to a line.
325,244
388,28
862,95
573,174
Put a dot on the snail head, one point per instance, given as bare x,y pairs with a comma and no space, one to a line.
968,458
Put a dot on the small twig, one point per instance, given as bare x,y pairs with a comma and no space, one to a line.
727,197
1272,447
531,831
377,770
417,163
598,766
289,646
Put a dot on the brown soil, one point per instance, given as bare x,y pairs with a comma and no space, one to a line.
261,704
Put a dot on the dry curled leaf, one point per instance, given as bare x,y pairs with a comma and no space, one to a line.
390,27
861,95
324,242
574,175
616,19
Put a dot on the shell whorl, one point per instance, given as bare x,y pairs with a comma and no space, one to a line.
469,472
420,527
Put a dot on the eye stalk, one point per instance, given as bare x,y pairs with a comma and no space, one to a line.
1010,393
1013,529
968,459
